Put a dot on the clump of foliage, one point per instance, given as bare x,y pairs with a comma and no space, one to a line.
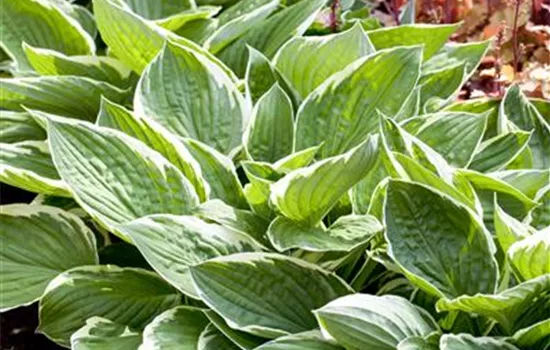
214,179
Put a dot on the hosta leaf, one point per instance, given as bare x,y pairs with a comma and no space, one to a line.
308,61
28,165
411,170
419,343
103,334
129,37
534,337
160,8
530,257
455,53
136,41
155,136
517,109
40,23
70,96
236,219
177,21
439,87
433,37
364,321
116,187
212,339
543,106
508,230
512,200
219,172
411,106
127,296
477,105
49,62
468,342
440,244
238,9
38,243
270,133
19,126
261,75
235,28
234,286
541,214
245,341
310,340
176,329
269,35
296,160
342,123
499,151
307,195
171,244
529,181
191,97
506,307
345,234
198,31
454,135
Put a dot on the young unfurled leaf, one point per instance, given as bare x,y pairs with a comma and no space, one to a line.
116,187
40,23
533,337
70,96
269,35
171,244
342,111
270,133
530,257
28,165
102,334
510,308
432,37
155,136
308,61
177,328
127,296
234,286
191,97
440,244
307,195
363,321
38,243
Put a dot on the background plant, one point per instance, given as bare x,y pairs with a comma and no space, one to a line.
208,177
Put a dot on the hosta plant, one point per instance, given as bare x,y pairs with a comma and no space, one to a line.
209,175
